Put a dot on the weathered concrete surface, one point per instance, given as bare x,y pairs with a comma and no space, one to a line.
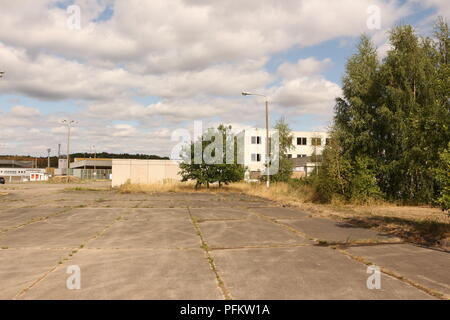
279,213
150,230
251,232
302,273
128,252
159,214
132,274
20,268
18,216
219,213
429,268
46,234
333,231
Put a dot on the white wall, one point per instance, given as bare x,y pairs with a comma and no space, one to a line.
250,148
144,171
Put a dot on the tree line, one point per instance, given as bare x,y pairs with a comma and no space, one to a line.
390,137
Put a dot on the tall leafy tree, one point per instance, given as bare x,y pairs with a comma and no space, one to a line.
393,119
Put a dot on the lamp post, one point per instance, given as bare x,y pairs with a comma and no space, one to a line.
48,157
267,133
68,124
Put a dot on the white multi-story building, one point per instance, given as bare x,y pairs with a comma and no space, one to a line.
254,146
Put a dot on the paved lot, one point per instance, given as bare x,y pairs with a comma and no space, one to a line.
196,246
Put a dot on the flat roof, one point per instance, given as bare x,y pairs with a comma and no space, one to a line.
91,163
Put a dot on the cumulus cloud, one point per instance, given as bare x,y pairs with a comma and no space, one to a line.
303,67
192,57
309,95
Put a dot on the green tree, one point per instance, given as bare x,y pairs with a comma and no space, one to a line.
285,144
443,177
393,119
212,165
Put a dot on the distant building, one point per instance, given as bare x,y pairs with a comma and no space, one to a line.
87,168
253,141
305,166
23,174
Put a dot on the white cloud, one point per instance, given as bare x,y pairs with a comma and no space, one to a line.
25,112
303,67
309,95
193,56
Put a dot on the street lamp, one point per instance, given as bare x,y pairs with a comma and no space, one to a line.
48,157
68,124
267,133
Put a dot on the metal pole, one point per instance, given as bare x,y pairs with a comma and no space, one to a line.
68,151
267,144
48,157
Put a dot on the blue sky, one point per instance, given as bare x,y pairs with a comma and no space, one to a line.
133,73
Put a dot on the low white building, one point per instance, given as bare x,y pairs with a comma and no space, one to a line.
253,153
23,174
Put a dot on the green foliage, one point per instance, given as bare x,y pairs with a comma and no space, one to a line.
286,143
393,120
204,171
392,124
443,178
345,179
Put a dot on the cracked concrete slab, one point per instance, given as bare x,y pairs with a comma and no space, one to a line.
14,217
49,234
303,273
218,213
114,204
157,214
118,274
334,231
76,215
430,268
251,232
279,212
150,233
20,268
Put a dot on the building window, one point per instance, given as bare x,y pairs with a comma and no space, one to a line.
301,141
289,156
301,156
256,140
327,141
256,157
316,141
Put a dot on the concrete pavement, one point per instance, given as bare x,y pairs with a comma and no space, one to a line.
197,246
